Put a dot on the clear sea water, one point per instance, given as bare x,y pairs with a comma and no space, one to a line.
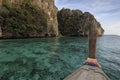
55,58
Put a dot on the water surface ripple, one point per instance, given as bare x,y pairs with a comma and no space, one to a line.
55,58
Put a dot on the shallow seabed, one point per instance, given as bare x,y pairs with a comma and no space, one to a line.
55,58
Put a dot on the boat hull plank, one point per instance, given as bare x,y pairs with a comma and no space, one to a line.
87,72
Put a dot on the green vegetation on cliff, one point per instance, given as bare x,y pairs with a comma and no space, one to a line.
21,19
76,23
36,18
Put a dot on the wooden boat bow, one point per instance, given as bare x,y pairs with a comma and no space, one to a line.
91,69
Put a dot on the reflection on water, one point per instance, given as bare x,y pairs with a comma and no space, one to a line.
52,58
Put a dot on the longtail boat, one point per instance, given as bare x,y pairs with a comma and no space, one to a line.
91,70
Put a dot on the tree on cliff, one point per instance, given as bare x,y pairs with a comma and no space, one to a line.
21,19
76,23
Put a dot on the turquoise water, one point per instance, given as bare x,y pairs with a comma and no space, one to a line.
55,58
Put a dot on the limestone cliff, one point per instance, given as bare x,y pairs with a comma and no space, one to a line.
0,3
51,11
28,18
40,18
0,32
77,23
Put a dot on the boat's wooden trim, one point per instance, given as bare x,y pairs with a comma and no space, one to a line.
87,72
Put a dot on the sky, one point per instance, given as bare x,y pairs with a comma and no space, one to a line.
107,12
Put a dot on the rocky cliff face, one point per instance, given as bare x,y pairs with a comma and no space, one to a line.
0,32
47,24
40,18
51,11
77,23
0,2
